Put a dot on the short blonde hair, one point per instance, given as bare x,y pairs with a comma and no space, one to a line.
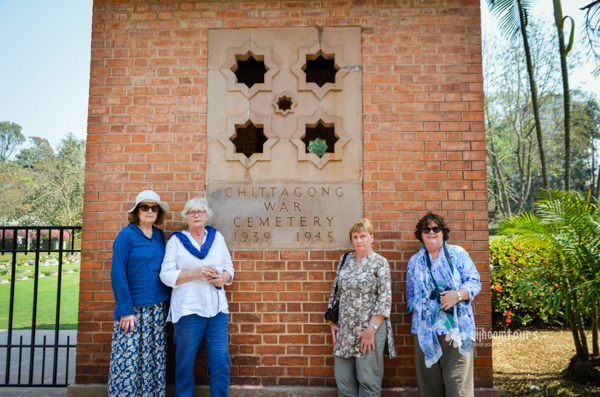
364,225
196,204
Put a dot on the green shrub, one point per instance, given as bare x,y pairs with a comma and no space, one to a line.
510,263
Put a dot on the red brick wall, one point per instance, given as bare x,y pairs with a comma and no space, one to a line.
424,149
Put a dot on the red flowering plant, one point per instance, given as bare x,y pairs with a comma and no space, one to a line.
566,226
7,239
48,239
11,241
510,263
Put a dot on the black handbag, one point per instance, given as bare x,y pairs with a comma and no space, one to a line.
333,313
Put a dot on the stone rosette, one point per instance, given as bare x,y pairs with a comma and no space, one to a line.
320,48
284,96
243,53
313,119
245,120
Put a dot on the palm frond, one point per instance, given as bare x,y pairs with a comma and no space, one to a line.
568,225
506,12
527,227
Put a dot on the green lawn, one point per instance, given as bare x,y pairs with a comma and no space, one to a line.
47,294
46,307
45,270
23,268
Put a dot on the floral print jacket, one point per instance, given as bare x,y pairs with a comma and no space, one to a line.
364,290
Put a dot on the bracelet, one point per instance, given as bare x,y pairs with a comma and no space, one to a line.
459,297
329,322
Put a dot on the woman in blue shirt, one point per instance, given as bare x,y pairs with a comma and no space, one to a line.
138,349
441,282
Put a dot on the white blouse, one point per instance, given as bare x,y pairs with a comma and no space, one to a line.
197,296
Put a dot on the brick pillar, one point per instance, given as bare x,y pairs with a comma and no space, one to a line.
424,149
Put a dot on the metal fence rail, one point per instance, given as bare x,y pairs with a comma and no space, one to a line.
34,357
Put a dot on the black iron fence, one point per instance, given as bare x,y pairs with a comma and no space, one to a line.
35,347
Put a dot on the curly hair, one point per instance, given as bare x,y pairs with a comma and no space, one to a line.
426,220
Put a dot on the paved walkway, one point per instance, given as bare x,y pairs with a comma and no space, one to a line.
32,391
43,362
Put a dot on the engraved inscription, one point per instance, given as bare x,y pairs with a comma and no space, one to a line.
292,215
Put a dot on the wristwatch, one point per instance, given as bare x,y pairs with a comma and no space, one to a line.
375,326
459,296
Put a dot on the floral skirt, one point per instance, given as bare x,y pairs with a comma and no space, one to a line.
138,358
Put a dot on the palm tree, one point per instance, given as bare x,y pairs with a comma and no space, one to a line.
592,33
512,19
568,227
559,22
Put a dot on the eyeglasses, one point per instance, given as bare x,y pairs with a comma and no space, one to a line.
435,229
196,213
147,208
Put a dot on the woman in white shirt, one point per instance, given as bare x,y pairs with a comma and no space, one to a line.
197,265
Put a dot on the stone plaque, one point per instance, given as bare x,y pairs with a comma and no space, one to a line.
284,129
285,215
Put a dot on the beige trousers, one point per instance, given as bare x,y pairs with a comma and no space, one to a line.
451,376
362,376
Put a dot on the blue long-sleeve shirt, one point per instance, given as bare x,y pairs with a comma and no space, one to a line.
136,268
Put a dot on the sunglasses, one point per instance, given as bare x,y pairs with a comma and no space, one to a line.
435,229
146,208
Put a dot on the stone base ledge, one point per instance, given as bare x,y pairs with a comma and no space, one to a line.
99,390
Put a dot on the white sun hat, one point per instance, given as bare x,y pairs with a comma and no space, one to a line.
149,196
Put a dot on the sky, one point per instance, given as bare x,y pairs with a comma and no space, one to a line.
45,66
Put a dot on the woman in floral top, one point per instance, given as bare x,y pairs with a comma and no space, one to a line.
363,288
441,282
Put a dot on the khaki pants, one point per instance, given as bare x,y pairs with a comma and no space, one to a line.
362,376
451,376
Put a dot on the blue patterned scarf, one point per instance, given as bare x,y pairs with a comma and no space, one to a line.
210,238
460,334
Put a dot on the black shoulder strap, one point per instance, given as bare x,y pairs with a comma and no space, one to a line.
447,253
340,268
448,259
344,259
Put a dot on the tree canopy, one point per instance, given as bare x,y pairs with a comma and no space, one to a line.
10,138
44,186
514,168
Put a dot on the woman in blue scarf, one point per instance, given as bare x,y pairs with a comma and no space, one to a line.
441,282
197,265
